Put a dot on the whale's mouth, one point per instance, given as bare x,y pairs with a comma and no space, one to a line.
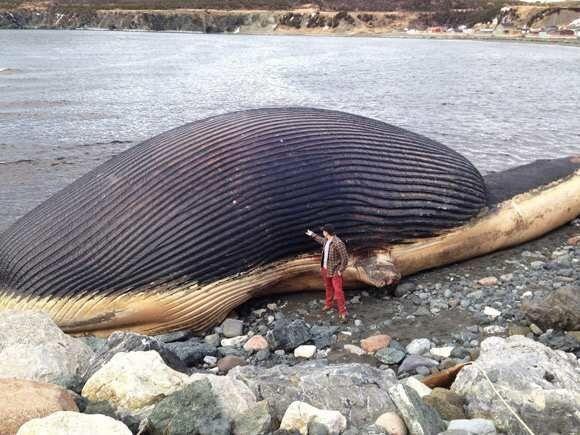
514,181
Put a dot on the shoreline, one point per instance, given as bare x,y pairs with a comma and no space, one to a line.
566,42
507,25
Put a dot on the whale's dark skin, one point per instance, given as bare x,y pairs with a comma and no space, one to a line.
206,212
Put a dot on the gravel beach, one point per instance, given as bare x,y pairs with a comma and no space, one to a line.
428,357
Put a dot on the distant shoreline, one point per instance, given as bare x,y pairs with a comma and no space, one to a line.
303,22
570,42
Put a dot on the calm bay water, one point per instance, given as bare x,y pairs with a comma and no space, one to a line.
70,99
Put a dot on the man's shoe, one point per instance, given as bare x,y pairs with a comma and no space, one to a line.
326,309
343,318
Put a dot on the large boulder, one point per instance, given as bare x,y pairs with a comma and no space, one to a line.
233,396
133,383
560,309
254,421
193,410
540,384
33,347
121,341
74,423
355,390
23,400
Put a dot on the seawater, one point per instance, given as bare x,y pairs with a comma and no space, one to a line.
71,99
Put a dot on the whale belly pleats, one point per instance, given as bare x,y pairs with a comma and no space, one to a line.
221,196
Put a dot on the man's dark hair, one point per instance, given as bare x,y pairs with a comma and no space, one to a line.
328,228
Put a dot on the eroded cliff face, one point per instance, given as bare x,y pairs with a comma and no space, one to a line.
302,21
208,21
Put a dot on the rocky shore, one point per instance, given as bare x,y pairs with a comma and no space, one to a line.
432,356
304,21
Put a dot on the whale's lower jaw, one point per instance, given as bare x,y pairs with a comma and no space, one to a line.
514,221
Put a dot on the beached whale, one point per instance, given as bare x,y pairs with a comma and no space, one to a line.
177,231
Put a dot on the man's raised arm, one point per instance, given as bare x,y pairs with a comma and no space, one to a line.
316,237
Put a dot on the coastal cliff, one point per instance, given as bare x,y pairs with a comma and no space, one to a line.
209,21
522,21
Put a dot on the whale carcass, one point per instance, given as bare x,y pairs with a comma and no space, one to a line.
177,231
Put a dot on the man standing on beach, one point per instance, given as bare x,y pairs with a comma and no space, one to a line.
333,263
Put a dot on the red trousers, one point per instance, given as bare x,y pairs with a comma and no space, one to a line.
333,286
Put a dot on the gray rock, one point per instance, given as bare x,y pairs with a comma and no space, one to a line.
130,342
419,346
420,418
32,347
193,410
232,328
561,341
540,384
389,355
355,390
422,311
405,287
103,407
448,404
213,340
459,352
174,336
95,343
210,360
477,294
288,335
396,345
323,336
262,355
355,299
192,352
537,265
560,309
254,421
566,272
315,428
231,351
535,254
437,305
410,364
535,329
476,426
422,370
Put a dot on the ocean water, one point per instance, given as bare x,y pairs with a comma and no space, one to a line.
69,100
